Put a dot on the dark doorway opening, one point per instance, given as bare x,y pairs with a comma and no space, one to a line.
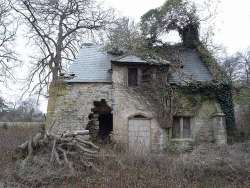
101,122
105,126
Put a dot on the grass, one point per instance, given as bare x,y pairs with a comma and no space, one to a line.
11,138
206,166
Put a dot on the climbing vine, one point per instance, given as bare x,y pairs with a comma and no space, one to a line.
181,15
222,92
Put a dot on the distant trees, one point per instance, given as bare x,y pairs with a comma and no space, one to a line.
237,67
25,111
231,64
3,107
8,29
245,65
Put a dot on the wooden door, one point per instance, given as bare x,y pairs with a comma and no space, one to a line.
139,135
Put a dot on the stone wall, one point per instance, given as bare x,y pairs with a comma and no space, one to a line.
128,102
71,104
207,125
203,122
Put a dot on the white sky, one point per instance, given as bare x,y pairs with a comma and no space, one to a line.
232,23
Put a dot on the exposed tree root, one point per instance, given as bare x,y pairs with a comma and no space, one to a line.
69,150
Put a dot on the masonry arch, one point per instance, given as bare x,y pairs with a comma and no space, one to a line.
139,132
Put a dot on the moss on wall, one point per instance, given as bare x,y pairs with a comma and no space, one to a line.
56,90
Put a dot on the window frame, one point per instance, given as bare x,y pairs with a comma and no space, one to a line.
181,127
140,80
128,76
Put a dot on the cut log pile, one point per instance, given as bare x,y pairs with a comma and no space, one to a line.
69,150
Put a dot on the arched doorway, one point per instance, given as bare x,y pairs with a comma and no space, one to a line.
101,122
139,133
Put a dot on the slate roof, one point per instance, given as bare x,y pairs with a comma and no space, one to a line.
92,64
193,67
132,58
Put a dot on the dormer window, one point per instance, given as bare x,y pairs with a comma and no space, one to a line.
132,76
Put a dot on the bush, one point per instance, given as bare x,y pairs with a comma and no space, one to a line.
5,126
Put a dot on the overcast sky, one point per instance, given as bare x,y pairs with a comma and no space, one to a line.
232,22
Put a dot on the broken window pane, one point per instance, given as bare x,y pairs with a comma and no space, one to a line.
176,127
186,127
132,76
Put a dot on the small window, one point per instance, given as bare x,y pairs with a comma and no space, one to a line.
176,127
181,127
186,127
145,75
132,76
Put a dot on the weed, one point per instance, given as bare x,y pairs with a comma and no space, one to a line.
206,166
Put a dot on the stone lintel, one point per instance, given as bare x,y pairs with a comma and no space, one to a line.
218,114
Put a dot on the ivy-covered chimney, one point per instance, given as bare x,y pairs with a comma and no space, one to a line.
190,35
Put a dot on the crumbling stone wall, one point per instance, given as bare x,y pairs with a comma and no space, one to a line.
71,104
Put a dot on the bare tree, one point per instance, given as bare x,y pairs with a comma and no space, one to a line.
7,34
232,65
58,28
125,36
245,65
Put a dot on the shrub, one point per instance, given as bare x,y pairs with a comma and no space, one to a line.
5,126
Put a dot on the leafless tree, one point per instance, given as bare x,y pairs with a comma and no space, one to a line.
58,28
7,34
245,65
125,36
232,65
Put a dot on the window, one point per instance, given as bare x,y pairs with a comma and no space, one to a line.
176,128
186,127
181,127
132,76
145,73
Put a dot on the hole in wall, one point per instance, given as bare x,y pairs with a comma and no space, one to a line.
101,122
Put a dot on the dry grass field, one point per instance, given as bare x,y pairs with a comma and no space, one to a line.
206,166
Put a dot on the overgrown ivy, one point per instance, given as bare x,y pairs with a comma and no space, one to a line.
221,92
180,15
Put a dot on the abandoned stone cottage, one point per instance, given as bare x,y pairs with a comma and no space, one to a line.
135,101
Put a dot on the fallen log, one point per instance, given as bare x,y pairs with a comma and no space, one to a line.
75,133
67,150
